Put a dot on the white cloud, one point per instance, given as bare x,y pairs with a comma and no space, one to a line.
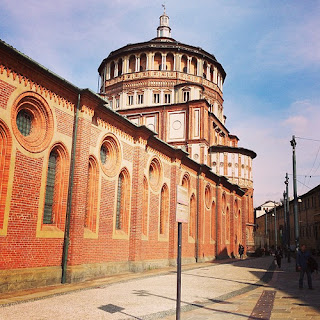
269,135
72,37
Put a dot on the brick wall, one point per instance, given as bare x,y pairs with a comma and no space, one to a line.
28,244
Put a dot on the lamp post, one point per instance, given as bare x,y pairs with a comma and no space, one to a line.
288,217
295,197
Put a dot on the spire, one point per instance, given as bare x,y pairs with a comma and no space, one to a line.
164,30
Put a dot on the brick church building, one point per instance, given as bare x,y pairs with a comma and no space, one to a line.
88,182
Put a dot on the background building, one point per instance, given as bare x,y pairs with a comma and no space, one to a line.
89,181
308,217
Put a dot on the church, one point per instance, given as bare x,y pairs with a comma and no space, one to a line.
89,182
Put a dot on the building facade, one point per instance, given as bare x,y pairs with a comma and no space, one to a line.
89,181
275,219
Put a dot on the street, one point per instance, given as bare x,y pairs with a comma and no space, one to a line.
208,292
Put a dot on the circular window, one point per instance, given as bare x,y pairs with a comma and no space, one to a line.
110,155
24,122
155,173
32,121
103,154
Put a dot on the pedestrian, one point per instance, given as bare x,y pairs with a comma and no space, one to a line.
278,256
302,266
241,250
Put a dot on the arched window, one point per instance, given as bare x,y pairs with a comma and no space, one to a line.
211,74
123,202
186,182
157,61
170,62
184,64
132,64
205,70
164,210
145,206
207,196
239,226
112,67
193,66
92,196
235,210
228,224
5,155
51,180
155,174
213,221
120,62
143,62
224,203
56,187
186,94
193,215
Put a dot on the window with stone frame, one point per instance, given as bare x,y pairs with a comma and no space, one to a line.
193,215
5,156
130,100
156,98
164,210
145,204
56,187
140,98
167,98
186,96
92,195
123,202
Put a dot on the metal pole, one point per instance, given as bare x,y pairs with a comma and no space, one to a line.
295,197
179,272
275,225
288,217
284,239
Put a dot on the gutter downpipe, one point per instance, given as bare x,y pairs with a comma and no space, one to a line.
197,221
70,189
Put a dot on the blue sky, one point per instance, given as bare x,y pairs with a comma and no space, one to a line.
270,51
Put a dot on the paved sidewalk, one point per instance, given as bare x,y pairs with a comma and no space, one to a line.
279,299
226,289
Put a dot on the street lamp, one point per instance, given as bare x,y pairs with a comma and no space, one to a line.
286,200
295,197
284,239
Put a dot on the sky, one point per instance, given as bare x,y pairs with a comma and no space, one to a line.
270,51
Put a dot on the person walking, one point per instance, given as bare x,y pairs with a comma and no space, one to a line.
278,256
302,266
241,250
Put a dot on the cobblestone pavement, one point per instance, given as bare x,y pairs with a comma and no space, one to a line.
233,289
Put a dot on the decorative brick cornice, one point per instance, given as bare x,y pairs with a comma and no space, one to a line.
87,110
118,132
158,154
17,77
